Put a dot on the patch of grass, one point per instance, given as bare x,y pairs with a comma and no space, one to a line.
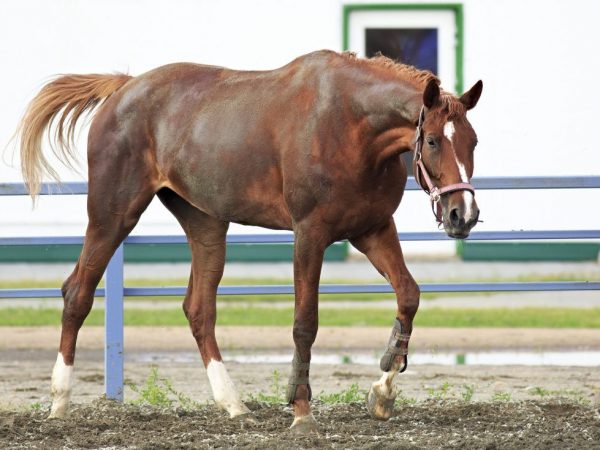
573,395
248,315
468,391
277,393
502,397
539,391
441,393
36,406
403,400
159,392
351,395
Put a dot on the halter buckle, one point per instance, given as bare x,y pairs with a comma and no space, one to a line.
435,195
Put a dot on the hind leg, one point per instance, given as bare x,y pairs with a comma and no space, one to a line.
206,236
112,212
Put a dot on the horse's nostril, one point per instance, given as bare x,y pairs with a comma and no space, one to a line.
455,217
473,221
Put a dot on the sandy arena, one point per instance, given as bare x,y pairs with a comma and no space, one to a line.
509,406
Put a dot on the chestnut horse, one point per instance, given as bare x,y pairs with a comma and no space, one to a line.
312,147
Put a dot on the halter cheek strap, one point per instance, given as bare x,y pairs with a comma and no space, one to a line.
422,175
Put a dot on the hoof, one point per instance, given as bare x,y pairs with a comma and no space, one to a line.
380,405
57,415
59,412
234,409
304,425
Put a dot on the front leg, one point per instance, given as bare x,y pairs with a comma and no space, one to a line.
309,247
383,250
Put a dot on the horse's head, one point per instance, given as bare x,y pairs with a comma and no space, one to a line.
444,157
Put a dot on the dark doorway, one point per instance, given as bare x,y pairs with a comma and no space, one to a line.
415,46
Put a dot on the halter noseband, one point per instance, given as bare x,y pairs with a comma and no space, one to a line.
421,175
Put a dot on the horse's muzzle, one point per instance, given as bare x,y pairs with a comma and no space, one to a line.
458,222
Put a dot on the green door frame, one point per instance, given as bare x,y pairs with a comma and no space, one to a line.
456,8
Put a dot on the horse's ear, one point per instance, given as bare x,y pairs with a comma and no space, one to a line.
471,97
431,95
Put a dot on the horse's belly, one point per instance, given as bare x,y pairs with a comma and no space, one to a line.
233,190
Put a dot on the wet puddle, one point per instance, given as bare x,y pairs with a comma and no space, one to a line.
487,358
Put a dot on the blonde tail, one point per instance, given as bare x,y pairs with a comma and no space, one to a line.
73,95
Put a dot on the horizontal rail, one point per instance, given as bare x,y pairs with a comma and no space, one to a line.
289,238
326,289
40,293
378,288
70,188
485,183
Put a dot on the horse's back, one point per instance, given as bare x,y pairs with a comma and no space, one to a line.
255,147
209,133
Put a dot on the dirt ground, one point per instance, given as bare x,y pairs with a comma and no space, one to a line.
530,425
509,406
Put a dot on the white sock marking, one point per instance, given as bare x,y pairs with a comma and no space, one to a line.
62,384
467,195
386,382
224,390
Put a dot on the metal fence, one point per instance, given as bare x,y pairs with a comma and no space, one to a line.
115,290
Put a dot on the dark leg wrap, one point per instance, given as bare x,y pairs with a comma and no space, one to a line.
298,376
397,346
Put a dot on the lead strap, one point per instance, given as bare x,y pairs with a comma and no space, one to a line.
397,346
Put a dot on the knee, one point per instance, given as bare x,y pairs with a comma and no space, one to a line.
76,307
67,288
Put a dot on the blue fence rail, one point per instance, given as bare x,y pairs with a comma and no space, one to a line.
115,290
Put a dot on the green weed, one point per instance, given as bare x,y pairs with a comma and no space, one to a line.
277,394
502,397
351,395
403,400
539,391
159,392
574,395
36,406
468,391
441,393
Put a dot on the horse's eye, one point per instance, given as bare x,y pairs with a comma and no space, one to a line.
431,141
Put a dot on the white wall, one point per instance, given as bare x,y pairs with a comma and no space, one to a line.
537,115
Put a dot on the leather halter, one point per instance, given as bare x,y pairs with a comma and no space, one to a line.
424,180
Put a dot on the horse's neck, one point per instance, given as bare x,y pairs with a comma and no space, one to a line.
390,103
392,110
